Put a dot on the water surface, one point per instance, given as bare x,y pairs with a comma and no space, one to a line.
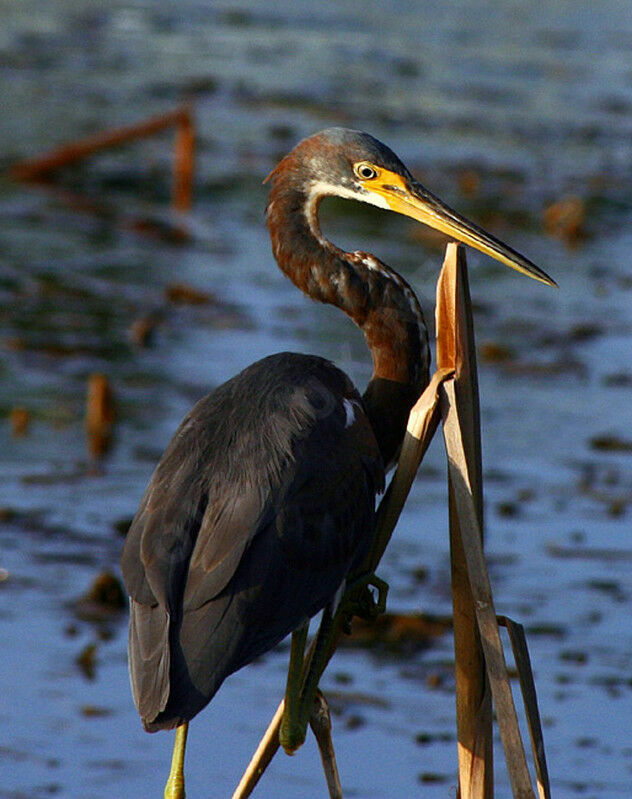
501,108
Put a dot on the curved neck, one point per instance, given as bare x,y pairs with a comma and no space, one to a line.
378,300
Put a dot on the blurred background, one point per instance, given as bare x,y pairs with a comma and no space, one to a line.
517,114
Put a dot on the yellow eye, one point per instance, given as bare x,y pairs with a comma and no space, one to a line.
365,171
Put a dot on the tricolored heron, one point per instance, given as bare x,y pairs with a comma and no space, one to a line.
264,501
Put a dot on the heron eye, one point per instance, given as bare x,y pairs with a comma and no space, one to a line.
365,171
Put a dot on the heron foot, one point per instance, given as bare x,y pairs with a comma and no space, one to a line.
362,600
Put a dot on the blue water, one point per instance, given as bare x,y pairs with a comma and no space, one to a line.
531,102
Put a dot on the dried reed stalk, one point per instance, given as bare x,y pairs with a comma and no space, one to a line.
472,592
527,686
456,351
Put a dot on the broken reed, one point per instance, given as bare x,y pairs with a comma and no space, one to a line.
43,167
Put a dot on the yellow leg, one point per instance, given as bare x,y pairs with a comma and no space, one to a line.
291,734
174,789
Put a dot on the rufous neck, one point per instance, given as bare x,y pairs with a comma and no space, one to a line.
378,300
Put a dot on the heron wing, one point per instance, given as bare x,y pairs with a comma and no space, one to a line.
316,467
314,513
315,528
252,519
154,562
149,657
164,530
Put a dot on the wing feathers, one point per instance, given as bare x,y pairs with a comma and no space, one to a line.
227,529
261,505
149,658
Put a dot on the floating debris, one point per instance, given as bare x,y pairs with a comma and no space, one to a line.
618,380
428,738
56,477
172,232
565,219
44,167
469,182
588,553
609,588
99,415
492,352
397,633
432,777
554,368
86,660
182,294
435,679
94,712
8,514
104,599
610,443
617,508
420,574
549,630
508,509
142,330
574,656
354,722
585,331
19,419
340,698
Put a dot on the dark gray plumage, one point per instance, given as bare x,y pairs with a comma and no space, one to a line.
261,505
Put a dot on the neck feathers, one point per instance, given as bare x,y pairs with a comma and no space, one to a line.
378,300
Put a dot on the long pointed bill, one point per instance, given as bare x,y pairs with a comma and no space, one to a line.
412,199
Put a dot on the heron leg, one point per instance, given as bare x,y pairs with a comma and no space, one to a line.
303,682
292,712
317,664
174,789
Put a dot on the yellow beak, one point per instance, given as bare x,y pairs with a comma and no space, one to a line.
411,199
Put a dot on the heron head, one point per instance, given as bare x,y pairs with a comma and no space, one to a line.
355,165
